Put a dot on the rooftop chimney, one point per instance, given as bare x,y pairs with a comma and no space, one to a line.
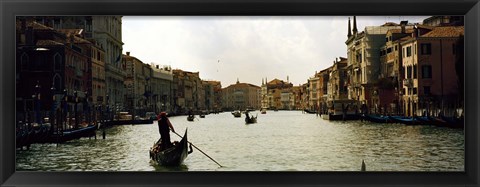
403,24
128,53
415,31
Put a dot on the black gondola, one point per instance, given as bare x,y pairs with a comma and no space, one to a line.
376,119
249,120
172,156
309,111
72,134
190,118
404,120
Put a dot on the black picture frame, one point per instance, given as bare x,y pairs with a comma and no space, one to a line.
9,9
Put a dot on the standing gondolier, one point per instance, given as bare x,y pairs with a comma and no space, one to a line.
164,127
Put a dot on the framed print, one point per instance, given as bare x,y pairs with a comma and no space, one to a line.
308,93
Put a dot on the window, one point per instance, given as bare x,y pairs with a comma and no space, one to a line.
57,61
409,51
414,71
426,49
426,71
414,91
426,90
396,48
389,50
409,72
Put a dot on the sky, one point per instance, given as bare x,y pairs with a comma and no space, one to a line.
247,48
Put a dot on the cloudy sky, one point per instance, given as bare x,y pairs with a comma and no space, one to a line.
248,48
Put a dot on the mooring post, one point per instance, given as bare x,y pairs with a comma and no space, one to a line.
364,168
103,134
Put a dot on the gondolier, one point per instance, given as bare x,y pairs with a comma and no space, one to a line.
164,127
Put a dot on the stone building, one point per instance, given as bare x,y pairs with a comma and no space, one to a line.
161,83
240,96
107,32
433,67
363,53
54,66
337,81
214,103
390,80
138,86
276,94
186,91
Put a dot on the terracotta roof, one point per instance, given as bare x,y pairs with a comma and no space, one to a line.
425,27
448,31
390,24
275,81
400,31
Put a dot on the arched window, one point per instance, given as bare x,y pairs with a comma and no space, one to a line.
57,62
57,80
24,61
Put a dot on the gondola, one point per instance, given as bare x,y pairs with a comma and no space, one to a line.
309,111
404,120
376,119
72,134
190,117
250,120
424,120
172,156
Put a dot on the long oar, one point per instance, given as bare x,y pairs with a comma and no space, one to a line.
199,150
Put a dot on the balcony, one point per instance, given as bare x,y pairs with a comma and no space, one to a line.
408,83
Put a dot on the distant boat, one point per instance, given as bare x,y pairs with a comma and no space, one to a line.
237,113
263,111
250,120
190,117
309,111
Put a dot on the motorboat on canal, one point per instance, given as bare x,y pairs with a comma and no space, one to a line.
173,156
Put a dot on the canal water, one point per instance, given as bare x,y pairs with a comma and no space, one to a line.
280,141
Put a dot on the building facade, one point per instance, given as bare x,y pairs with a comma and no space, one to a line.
240,96
432,73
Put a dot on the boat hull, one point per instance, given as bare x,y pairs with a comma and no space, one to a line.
377,119
173,156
